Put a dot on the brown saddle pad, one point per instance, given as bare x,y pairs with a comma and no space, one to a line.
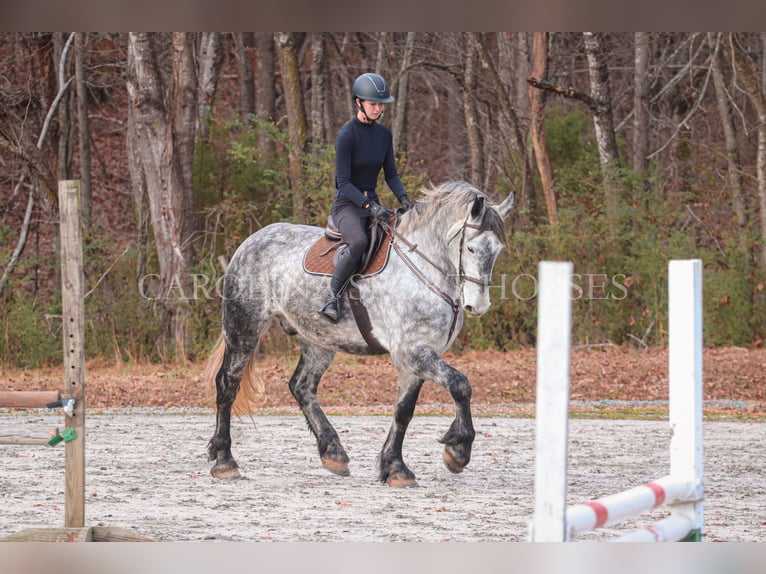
319,259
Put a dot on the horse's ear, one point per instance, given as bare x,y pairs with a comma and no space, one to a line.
478,207
505,208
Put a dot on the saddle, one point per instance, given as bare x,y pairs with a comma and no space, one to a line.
321,256
320,260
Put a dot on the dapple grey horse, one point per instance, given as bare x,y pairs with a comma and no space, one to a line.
444,249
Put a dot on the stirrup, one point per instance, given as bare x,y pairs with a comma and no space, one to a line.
330,310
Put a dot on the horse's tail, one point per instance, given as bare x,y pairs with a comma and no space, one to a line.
251,389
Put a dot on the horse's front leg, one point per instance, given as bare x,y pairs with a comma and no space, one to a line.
393,471
426,363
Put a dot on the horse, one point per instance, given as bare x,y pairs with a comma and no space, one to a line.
445,249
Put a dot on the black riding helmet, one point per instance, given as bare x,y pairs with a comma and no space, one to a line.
373,88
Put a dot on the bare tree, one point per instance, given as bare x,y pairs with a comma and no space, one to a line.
519,61
504,120
402,87
296,118
729,129
317,88
245,42
748,74
210,56
15,140
381,55
162,121
265,90
83,126
603,122
641,103
539,69
470,114
65,123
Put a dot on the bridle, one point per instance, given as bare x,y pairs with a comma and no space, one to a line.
455,304
462,277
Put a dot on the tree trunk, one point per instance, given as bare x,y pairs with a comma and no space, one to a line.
604,126
83,125
296,119
265,91
140,192
65,129
521,61
210,56
537,98
183,92
512,137
399,128
729,131
749,76
470,113
641,104
317,88
246,86
527,213
763,64
382,54
163,121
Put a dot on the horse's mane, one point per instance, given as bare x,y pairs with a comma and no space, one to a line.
452,196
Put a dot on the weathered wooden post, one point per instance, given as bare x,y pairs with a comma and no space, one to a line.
73,315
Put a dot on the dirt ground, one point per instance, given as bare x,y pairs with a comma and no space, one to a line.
734,381
147,429
147,471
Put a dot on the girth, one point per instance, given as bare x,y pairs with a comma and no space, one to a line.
363,323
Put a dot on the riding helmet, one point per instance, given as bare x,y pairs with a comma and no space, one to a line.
373,88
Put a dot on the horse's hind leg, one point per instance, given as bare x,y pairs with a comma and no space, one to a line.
393,471
227,382
303,385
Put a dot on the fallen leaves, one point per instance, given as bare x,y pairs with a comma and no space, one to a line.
496,377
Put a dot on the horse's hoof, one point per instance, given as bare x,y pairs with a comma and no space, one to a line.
399,481
452,463
336,466
225,471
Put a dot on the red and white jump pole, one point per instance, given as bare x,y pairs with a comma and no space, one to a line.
682,490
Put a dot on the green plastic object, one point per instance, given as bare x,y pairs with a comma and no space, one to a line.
66,435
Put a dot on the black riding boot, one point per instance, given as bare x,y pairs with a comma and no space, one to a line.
344,268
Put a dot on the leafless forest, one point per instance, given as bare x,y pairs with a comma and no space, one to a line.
626,149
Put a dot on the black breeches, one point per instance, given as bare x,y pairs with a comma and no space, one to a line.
351,221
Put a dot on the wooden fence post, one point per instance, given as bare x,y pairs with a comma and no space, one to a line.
73,315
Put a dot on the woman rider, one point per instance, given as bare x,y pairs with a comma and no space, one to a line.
362,148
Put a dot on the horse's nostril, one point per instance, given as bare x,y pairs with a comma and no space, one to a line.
469,309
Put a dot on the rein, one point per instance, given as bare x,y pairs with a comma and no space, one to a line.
454,304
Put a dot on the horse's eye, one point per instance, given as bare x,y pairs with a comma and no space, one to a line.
470,249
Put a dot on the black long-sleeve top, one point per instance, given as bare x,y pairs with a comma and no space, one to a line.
361,150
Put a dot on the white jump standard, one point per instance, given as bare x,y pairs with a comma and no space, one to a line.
682,490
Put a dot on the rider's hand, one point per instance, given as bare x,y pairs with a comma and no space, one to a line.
406,202
379,212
